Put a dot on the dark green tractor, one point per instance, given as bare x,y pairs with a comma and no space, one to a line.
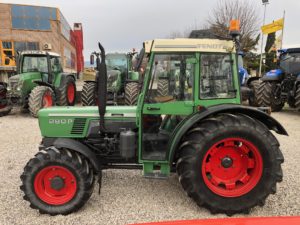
40,82
122,80
225,155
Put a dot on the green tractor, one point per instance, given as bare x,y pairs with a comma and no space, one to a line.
122,80
225,155
40,82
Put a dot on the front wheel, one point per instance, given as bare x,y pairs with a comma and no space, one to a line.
132,91
88,94
4,107
229,163
297,98
57,181
40,97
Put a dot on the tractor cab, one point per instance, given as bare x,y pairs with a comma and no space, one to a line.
289,60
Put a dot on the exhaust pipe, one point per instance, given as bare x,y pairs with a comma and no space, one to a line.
102,87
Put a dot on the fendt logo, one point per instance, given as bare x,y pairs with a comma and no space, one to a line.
60,121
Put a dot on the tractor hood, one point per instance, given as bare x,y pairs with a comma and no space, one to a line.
74,121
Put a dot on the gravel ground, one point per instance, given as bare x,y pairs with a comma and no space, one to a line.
127,197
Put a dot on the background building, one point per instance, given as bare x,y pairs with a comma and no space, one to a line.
24,27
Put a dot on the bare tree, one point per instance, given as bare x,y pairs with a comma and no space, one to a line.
245,11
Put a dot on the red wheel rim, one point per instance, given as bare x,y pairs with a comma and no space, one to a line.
232,167
47,100
71,93
43,185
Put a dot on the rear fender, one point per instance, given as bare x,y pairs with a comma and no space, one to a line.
188,122
74,146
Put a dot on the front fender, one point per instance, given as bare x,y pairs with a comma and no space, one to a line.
75,146
189,121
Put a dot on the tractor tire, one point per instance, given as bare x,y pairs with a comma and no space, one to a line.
254,85
88,94
4,107
132,91
40,97
66,94
297,98
163,87
266,97
57,181
229,163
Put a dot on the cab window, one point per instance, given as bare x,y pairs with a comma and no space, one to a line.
216,76
171,78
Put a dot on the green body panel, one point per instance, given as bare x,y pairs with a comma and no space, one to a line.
133,76
59,121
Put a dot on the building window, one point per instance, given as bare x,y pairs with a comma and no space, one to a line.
67,54
73,60
32,17
65,27
6,45
23,46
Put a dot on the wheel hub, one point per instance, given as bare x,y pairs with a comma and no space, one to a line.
227,162
57,183
232,167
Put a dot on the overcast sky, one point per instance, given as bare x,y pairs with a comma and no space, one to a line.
124,24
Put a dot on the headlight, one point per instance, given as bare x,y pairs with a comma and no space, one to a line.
20,84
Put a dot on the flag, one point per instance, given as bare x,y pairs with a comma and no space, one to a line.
273,27
278,42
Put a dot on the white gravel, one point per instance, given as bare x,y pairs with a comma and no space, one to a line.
127,197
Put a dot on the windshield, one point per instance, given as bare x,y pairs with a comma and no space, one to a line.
34,64
116,61
290,62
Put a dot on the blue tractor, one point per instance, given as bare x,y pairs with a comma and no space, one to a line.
283,84
249,85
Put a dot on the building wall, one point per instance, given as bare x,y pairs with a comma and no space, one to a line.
56,36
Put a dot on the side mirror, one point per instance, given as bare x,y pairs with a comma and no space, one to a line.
7,61
92,60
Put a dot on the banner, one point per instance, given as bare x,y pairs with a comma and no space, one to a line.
273,27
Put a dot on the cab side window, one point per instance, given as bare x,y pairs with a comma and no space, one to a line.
171,79
216,76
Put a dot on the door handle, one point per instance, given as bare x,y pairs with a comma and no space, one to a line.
153,108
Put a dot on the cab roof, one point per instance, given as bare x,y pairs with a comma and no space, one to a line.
34,52
189,45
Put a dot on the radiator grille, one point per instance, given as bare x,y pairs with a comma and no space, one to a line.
78,126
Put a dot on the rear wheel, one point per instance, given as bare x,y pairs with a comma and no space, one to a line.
297,98
88,94
254,85
163,87
229,163
57,181
40,97
131,93
66,94
269,95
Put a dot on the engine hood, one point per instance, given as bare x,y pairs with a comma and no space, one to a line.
73,121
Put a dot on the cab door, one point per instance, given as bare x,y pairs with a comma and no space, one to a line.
169,98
